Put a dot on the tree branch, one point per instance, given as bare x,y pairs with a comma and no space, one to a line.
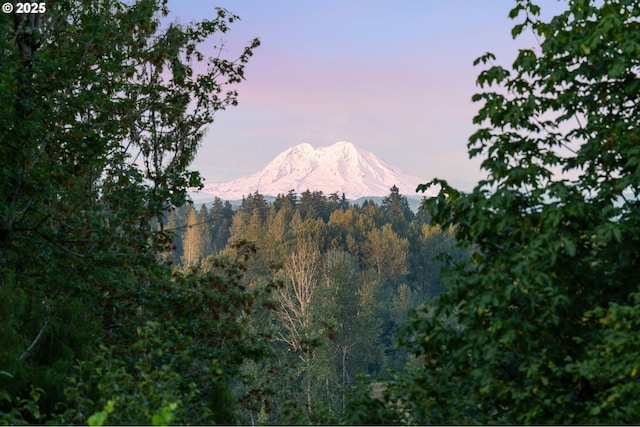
35,341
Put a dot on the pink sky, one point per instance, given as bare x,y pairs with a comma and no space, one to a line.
392,76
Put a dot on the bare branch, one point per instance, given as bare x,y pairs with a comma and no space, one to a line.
25,354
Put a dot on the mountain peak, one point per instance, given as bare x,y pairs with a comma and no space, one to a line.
305,147
341,144
342,167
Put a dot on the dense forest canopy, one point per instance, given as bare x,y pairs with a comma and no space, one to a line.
349,275
123,303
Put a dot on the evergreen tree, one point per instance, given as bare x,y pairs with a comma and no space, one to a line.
293,198
334,202
396,210
255,204
313,205
289,200
220,217
279,224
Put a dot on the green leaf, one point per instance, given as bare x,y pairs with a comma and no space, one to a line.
517,30
513,13
98,419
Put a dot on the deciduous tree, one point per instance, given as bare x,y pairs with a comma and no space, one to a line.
102,110
386,252
541,327
196,238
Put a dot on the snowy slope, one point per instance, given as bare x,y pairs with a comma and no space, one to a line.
342,167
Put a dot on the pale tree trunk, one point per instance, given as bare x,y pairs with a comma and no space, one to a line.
309,397
301,268
345,375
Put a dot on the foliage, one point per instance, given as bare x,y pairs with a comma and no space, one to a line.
371,403
197,237
103,108
189,357
347,283
540,327
21,406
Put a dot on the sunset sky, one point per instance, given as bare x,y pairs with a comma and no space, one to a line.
392,76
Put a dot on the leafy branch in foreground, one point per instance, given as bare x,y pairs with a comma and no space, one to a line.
102,108
540,328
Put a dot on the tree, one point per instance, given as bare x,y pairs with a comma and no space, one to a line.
300,334
173,248
540,327
302,270
255,205
188,356
347,306
386,252
313,205
196,238
203,219
280,218
429,249
220,217
396,209
102,111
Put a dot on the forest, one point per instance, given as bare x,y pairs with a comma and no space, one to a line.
123,303
348,277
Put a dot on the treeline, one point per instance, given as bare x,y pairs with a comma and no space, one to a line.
348,276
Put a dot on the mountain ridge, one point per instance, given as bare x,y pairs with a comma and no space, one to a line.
342,167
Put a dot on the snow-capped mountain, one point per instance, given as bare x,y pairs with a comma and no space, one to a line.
342,167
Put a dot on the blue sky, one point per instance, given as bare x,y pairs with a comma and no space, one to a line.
393,76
